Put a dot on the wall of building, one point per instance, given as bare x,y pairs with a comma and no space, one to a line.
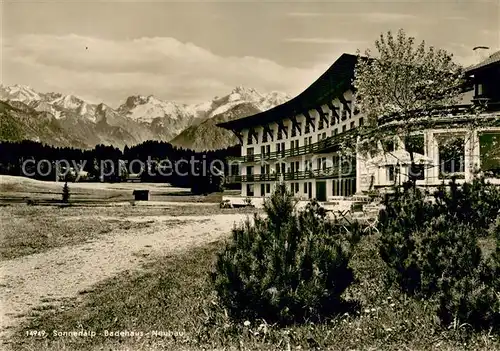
369,175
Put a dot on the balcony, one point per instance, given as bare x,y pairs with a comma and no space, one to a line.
340,171
325,145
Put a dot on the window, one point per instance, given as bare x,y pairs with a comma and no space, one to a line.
249,138
280,167
391,173
321,163
352,125
307,141
235,169
250,154
415,144
388,145
489,151
349,108
320,124
294,146
336,161
250,190
280,149
335,132
335,113
264,169
451,155
344,114
305,188
344,128
479,89
264,136
268,188
250,173
296,187
280,134
307,128
361,121
294,131
262,190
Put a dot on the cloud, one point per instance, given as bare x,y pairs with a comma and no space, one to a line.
324,41
379,17
388,17
309,14
109,70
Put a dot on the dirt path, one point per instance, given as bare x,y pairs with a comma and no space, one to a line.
64,272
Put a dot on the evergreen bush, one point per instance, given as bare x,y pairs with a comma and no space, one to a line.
476,204
431,251
65,193
288,267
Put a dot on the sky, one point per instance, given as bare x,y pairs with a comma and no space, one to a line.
191,51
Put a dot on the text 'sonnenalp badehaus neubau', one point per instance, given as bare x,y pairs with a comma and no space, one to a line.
300,141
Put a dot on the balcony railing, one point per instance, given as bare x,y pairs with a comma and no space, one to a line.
320,146
346,170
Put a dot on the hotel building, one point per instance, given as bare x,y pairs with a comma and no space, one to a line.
303,141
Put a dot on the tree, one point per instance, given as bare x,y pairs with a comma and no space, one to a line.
405,81
65,193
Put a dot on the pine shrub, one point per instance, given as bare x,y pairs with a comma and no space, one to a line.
288,267
403,216
431,251
476,204
65,193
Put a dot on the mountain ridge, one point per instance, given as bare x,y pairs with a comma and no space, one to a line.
137,119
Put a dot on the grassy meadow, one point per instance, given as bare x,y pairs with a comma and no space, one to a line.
173,295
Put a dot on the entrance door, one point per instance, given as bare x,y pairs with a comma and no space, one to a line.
321,191
310,189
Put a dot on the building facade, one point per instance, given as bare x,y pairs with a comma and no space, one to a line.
308,141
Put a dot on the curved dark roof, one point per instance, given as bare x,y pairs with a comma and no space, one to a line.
334,82
492,59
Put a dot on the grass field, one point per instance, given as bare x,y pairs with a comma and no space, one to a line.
26,230
20,190
103,268
173,295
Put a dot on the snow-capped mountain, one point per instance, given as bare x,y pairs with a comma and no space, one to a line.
140,117
147,108
19,93
239,103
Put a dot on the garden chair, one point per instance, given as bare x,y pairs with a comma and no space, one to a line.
370,213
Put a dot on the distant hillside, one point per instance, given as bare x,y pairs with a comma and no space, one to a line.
19,121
